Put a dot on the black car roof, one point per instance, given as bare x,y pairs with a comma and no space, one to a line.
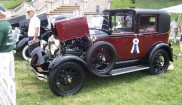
137,11
164,17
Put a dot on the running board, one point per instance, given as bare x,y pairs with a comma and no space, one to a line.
128,70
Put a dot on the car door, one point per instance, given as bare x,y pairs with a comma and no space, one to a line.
147,32
123,37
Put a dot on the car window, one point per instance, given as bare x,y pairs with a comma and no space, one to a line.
122,23
148,24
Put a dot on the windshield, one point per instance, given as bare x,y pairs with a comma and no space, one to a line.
95,21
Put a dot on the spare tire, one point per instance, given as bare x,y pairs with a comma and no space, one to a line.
101,58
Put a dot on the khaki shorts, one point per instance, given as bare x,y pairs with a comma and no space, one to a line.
7,65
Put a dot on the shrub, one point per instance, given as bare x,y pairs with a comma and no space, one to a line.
11,4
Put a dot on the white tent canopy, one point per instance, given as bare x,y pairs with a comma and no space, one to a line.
174,9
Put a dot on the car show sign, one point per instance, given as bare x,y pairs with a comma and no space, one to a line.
7,91
135,48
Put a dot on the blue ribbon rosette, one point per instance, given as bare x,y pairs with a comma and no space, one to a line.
135,48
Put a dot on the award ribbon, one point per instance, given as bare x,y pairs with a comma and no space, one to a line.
135,48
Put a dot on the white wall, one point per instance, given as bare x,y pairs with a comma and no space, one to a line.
78,2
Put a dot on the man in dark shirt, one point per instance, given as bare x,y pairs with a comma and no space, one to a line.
6,46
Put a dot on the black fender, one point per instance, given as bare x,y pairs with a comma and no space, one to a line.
22,44
57,61
164,46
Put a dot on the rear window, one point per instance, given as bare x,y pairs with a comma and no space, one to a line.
148,24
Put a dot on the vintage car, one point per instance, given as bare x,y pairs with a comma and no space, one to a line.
20,22
116,42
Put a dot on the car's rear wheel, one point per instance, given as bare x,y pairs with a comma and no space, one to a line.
101,58
67,79
159,62
25,53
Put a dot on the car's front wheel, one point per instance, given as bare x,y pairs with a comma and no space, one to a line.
159,62
25,53
67,79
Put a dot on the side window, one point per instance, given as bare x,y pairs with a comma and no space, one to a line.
122,23
148,24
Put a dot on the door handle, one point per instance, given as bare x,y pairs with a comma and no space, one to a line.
138,34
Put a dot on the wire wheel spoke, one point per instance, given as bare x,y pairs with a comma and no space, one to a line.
101,58
67,79
159,63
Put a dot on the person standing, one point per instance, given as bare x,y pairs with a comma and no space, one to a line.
175,26
180,45
7,71
32,3
33,33
97,8
6,46
102,8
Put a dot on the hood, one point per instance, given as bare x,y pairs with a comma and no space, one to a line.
71,28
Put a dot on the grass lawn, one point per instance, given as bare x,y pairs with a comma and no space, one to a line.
11,4
129,89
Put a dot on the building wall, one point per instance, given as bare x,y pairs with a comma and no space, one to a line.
78,2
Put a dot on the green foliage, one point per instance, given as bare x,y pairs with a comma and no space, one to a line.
11,4
133,1
119,4
157,4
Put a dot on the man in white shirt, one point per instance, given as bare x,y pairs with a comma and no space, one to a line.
175,25
33,32
34,29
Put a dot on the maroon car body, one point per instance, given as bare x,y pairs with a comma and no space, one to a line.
122,41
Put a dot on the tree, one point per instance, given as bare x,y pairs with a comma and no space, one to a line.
119,4
133,1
